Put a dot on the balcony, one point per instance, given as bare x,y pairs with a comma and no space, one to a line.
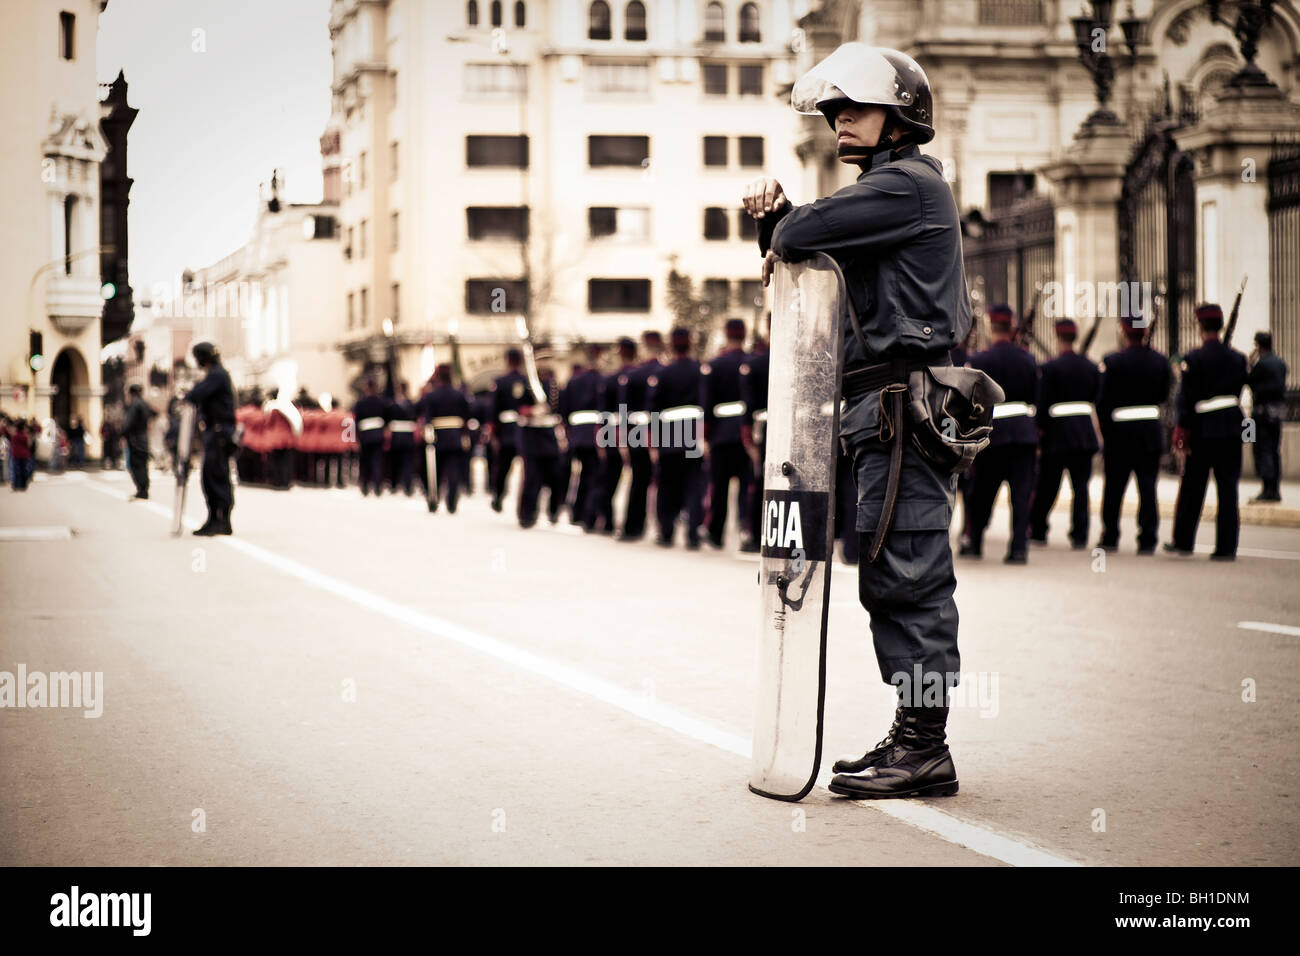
73,302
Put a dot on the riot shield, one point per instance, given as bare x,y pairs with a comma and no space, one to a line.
431,467
184,455
798,525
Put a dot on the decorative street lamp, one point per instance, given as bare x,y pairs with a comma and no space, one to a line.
1252,17
1090,32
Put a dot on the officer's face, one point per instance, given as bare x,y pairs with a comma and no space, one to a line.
858,128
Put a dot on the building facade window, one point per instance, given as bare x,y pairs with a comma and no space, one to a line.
1011,13
715,79
347,249
392,161
634,21
629,224
487,296
393,226
1006,188
496,13
364,317
751,80
497,222
618,150
521,15
497,151
471,13
361,170
598,21
352,311
715,29
751,151
397,302
361,234
717,295
618,295
618,78
496,79
749,29
746,225
67,35
750,292
69,221
715,223
715,151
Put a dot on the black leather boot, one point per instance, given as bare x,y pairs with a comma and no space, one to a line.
852,765
918,765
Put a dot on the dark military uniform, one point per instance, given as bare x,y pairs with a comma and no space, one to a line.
509,394
214,398
544,463
611,458
896,235
1010,454
370,415
753,392
1135,382
1067,390
724,414
480,411
674,396
634,394
1209,410
1267,380
446,410
400,415
136,429
580,409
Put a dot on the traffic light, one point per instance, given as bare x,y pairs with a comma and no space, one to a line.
36,352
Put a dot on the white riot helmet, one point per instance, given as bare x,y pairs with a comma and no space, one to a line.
860,73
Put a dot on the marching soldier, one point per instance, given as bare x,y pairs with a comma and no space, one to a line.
1134,384
508,396
369,415
634,395
401,440
1267,380
445,410
674,396
724,416
543,454
611,456
214,397
1209,431
580,410
753,433
1067,389
1010,454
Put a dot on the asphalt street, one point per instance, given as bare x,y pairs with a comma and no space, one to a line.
355,681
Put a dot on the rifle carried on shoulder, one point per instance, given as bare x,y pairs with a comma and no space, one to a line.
1236,309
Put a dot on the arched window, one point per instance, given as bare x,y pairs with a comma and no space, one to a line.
471,13
749,31
598,21
520,15
634,21
714,26
496,13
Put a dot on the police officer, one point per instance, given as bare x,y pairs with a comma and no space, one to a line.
445,410
1135,382
1010,454
543,454
1267,380
674,399
724,415
613,425
136,430
580,409
400,415
1067,391
1209,431
214,397
753,392
369,414
634,395
896,235
508,397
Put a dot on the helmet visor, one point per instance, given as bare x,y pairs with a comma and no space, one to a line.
856,72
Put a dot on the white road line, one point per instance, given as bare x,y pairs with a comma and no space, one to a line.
53,533
916,814
1286,629
1255,553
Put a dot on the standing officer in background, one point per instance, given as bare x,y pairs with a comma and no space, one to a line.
753,433
634,395
136,431
369,415
674,398
401,440
724,414
896,235
214,397
445,410
1067,388
611,457
1267,380
1010,455
1134,384
508,393
580,410
1209,430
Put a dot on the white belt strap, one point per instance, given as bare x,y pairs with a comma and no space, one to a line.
508,417
1069,409
681,413
729,409
638,418
401,426
541,421
1216,404
448,421
1135,413
1012,409
370,424
587,417
760,415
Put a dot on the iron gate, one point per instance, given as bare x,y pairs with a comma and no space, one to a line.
1284,264
1009,259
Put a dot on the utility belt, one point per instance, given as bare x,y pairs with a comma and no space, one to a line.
401,426
1136,413
1217,404
860,379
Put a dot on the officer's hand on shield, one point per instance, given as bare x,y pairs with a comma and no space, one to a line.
762,196
769,263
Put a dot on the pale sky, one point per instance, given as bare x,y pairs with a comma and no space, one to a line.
214,122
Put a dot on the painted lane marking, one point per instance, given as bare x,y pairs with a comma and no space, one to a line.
34,533
1287,629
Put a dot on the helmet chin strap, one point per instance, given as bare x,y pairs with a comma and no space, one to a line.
886,141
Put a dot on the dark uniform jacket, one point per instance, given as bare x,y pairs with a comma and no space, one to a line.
510,393
633,387
721,390
447,409
1016,371
1067,378
1267,380
1135,376
215,399
677,384
401,410
369,406
581,399
538,440
753,390
136,425
1212,371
